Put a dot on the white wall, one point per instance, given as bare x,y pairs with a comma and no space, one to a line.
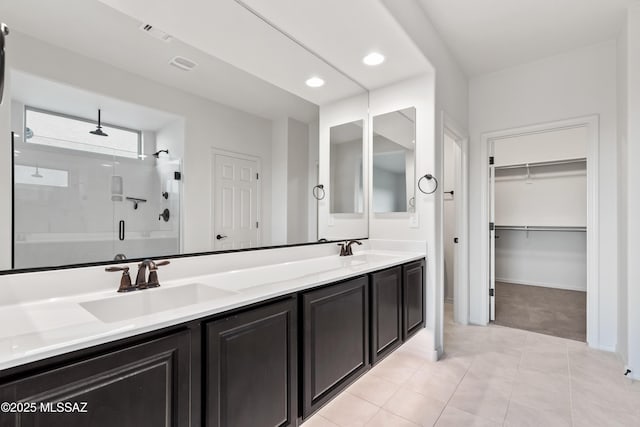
340,226
290,182
542,258
575,84
451,97
297,181
279,162
312,203
207,124
420,225
633,188
346,176
387,191
622,77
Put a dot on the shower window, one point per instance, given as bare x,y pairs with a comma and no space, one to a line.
63,131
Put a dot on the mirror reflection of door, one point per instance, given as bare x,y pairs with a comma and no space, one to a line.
235,198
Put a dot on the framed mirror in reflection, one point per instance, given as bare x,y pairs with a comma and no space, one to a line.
346,145
393,167
131,143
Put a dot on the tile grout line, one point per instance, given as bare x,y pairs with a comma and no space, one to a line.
454,392
570,386
504,420
381,408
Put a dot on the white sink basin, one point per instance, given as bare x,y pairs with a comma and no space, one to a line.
150,301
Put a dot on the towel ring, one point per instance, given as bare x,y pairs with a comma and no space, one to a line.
317,190
428,177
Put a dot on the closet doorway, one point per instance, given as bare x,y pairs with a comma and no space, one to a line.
541,216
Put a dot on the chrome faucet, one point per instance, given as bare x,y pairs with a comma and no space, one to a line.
345,247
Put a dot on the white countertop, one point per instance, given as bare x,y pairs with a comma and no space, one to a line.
40,329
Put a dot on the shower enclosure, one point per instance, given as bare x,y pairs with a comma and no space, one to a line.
81,197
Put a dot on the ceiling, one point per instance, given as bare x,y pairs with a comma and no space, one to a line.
228,31
343,32
92,29
347,132
246,52
489,35
48,95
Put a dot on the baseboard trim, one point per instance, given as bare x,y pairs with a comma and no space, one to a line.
542,285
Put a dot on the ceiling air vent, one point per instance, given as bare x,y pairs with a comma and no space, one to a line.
182,63
155,33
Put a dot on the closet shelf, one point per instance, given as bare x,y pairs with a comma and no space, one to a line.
548,163
539,228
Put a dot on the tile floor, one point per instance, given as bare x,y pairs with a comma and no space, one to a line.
490,376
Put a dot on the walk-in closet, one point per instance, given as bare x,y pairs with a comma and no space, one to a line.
538,205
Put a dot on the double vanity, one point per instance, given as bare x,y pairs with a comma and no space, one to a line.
257,346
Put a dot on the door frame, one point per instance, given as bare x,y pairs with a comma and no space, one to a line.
591,123
212,180
461,273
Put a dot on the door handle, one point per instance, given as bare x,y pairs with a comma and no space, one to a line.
220,237
121,230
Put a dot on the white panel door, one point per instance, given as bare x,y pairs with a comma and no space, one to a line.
235,199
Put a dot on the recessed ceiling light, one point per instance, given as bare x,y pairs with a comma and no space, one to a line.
374,58
315,82
184,64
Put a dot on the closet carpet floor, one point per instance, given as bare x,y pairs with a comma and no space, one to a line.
558,312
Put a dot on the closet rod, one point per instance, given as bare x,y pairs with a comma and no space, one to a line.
539,228
549,163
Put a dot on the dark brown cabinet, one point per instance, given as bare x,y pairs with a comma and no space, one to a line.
144,385
251,368
414,299
265,365
386,312
335,340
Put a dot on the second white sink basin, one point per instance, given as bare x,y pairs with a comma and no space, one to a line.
150,301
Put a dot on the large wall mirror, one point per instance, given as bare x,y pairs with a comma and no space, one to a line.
393,168
132,140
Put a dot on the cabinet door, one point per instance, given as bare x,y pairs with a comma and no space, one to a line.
251,366
414,297
336,340
386,312
144,385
